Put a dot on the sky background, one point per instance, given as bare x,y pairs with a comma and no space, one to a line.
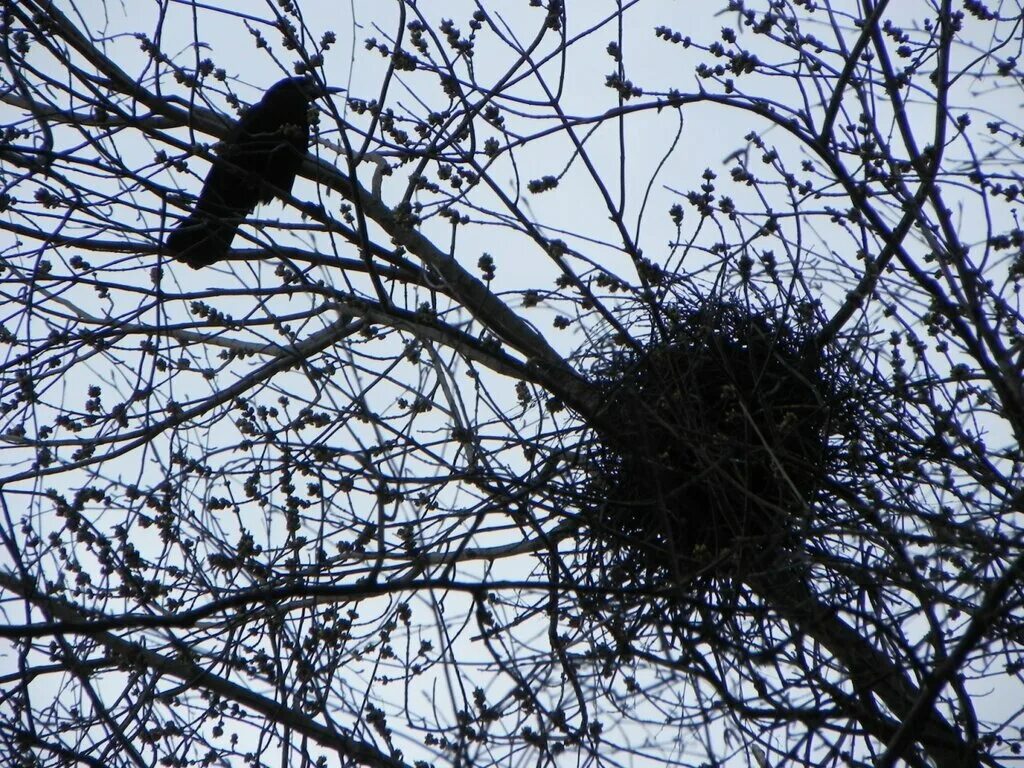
647,162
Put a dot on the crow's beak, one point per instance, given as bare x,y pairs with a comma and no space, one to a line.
313,90
318,92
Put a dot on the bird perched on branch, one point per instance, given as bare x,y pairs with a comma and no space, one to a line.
259,160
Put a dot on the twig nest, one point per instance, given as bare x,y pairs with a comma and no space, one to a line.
717,439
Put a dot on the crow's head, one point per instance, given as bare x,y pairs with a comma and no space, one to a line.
304,88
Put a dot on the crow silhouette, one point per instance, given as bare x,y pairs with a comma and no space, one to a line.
259,160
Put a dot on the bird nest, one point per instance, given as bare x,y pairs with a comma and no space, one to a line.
716,442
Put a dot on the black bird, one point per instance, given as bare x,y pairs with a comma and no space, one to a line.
259,160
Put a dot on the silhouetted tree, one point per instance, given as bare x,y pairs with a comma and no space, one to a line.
617,383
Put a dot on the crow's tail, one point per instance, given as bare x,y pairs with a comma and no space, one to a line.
202,239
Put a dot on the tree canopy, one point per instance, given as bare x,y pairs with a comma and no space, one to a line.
618,383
